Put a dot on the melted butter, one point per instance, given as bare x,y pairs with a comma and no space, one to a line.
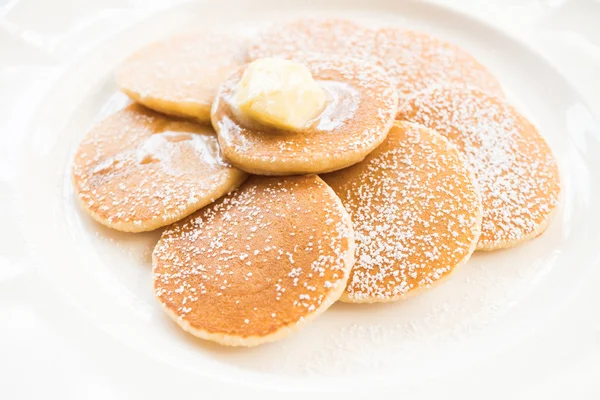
341,106
168,145
342,103
107,166
280,93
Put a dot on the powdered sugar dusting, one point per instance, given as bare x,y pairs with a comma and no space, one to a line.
185,69
415,210
292,39
362,106
381,339
260,259
161,147
416,60
138,168
412,60
515,169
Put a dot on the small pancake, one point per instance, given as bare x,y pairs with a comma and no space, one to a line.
138,170
416,213
180,75
294,38
415,61
517,174
360,111
257,264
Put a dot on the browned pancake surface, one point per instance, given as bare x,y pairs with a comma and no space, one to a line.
361,108
517,174
416,214
416,60
180,75
251,267
138,170
307,35
413,60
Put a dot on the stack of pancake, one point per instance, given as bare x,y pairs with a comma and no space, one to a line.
416,162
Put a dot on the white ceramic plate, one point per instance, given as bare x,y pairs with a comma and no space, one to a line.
93,289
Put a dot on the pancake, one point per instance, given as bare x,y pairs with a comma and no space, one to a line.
517,174
415,61
257,264
138,170
291,39
360,111
416,213
180,75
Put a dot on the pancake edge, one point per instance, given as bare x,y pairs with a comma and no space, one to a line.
231,184
251,341
472,248
200,112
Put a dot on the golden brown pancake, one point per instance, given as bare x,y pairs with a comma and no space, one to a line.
293,38
180,75
257,264
517,174
360,111
138,170
415,61
416,213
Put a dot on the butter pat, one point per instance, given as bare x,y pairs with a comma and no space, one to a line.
279,93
